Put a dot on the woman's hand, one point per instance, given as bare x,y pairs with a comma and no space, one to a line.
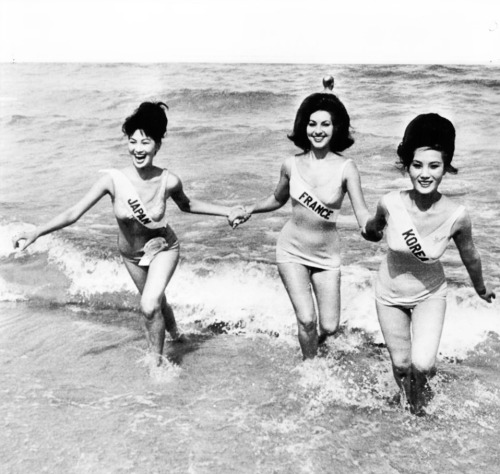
373,230
237,216
27,237
486,294
372,234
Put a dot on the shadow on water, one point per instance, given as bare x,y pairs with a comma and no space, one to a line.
100,350
131,319
176,351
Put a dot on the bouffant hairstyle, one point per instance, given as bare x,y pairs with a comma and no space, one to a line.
430,131
341,139
151,118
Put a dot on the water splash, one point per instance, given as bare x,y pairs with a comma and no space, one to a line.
160,374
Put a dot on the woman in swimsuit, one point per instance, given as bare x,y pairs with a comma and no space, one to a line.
411,287
308,248
146,242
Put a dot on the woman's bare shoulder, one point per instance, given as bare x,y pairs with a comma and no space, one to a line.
173,182
450,206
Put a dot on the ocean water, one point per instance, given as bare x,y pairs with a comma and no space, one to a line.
78,392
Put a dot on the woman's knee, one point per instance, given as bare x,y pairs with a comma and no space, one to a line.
424,366
401,364
423,359
329,326
307,324
150,307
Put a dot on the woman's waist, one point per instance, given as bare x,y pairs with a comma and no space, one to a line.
301,222
133,239
310,236
405,267
315,216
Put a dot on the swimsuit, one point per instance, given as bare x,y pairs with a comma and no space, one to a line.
310,237
154,235
412,272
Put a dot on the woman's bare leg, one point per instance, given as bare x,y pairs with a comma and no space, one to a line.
395,323
326,285
297,282
427,327
151,282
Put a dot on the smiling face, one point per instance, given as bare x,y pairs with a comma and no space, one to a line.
426,170
320,129
142,149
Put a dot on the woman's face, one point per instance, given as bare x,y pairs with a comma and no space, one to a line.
320,129
142,149
426,170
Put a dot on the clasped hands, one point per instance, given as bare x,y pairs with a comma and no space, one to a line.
238,215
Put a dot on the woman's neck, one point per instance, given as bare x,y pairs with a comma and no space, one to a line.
425,201
146,173
319,154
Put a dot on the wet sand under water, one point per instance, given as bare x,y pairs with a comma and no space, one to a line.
78,396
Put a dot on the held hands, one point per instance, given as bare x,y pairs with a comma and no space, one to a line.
487,295
237,216
371,234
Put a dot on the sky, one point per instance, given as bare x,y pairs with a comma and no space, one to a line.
262,31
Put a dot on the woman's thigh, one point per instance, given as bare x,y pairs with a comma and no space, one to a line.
395,324
296,279
137,273
159,274
326,285
427,327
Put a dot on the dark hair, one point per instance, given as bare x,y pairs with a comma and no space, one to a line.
341,139
151,118
431,131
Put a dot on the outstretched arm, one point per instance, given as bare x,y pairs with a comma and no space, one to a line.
278,198
194,206
373,229
67,217
470,257
353,185
270,203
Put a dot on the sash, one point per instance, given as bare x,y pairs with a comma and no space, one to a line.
301,192
415,244
126,192
151,249
307,198
406,229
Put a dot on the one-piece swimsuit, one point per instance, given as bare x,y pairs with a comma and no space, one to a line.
156,235
411,271
310,237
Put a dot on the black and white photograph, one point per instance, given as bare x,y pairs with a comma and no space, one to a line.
256,237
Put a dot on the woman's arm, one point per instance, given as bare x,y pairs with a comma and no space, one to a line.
353,185
194,206
373,229
67,217
470,256
241,214
278,198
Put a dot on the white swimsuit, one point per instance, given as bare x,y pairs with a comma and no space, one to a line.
411,272
155,235
310,237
